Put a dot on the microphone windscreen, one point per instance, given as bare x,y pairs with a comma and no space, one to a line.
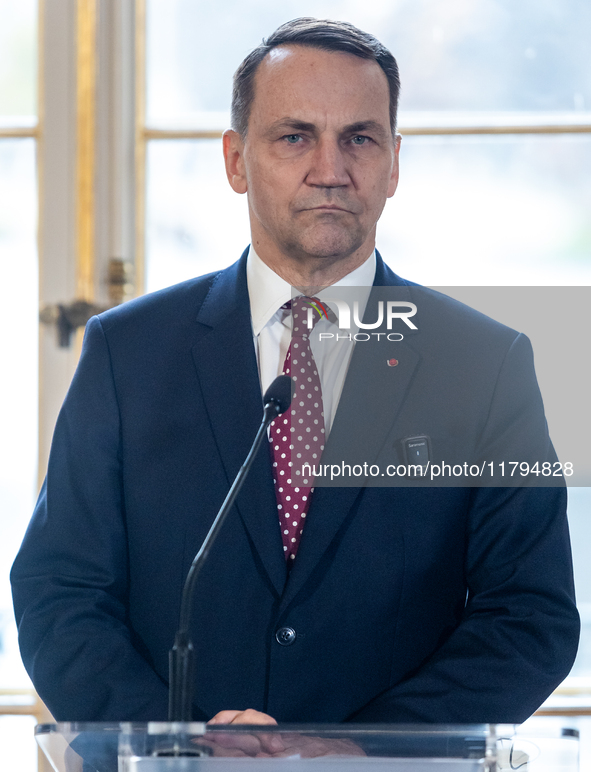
279,392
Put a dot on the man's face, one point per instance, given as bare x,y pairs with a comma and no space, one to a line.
319,158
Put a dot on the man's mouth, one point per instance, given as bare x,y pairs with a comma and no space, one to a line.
326,208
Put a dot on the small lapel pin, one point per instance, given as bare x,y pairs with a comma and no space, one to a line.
392,362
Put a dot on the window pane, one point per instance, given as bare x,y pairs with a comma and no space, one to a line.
18,385
491,210
457,55
18,62
195,223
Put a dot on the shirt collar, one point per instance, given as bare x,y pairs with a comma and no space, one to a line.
268,291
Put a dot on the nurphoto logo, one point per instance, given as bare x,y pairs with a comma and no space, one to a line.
393,311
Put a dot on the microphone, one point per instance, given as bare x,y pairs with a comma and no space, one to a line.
277,399
279,395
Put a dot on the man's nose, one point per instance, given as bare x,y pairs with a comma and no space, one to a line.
328,167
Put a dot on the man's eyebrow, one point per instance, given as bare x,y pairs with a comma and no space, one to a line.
292,124
295,125
373,127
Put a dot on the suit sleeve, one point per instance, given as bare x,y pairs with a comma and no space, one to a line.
518,634
70,578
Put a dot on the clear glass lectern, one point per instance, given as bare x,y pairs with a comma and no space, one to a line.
196,747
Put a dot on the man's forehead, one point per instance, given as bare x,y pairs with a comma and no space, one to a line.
300,76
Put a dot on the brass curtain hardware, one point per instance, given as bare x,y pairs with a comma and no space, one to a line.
68,317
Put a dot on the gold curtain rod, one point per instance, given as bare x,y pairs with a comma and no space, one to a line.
34,131
548,129
19,132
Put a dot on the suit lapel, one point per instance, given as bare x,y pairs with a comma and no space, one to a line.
372,391
225,361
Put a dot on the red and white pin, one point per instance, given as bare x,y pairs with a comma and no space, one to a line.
392,362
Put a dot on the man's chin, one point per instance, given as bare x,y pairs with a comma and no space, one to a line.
326,246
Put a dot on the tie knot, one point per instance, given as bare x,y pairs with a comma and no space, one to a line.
306,311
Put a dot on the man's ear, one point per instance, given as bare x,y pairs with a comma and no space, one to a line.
234,160
393,184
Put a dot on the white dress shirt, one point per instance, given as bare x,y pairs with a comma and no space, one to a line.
271,327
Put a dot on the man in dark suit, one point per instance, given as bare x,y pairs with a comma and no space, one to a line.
405,602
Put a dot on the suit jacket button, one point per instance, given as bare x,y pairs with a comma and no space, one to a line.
285,636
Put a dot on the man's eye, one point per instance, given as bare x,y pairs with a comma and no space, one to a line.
359,140
293,138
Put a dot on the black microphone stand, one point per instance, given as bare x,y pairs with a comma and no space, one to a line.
181,657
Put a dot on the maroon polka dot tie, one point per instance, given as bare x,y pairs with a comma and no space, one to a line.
297,437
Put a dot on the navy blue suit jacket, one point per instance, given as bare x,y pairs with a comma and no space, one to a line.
413,603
